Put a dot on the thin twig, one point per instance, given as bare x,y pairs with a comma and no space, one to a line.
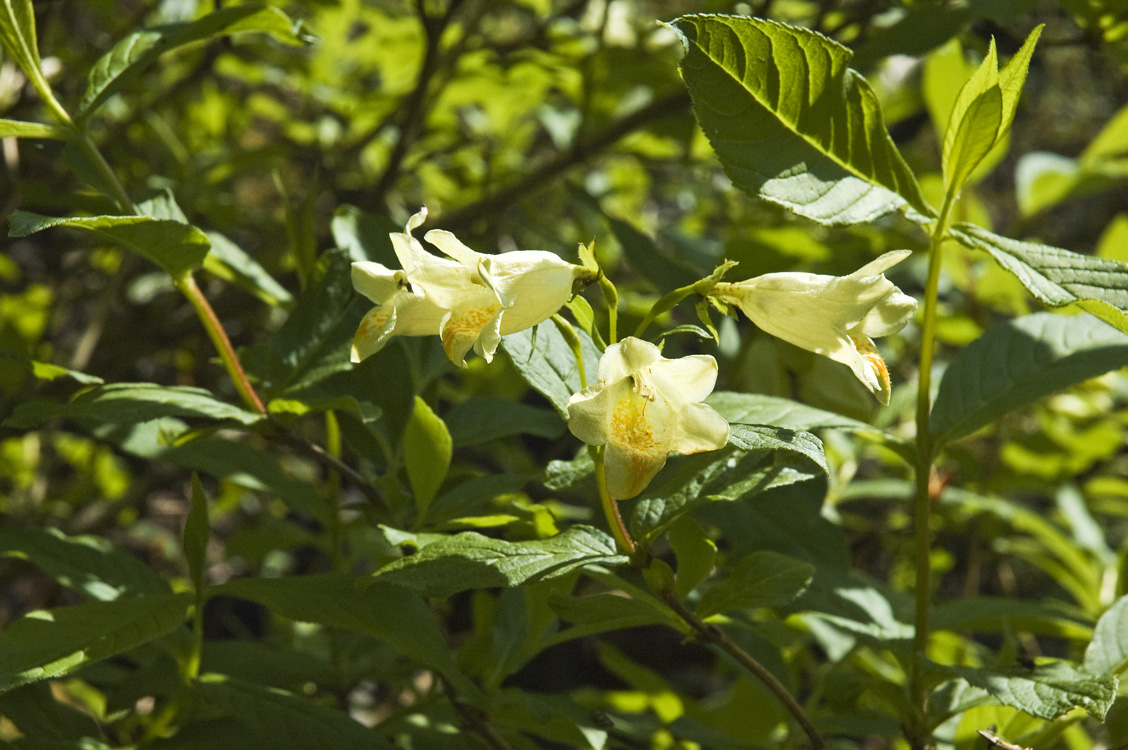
716,636
999,741
667,106
327,459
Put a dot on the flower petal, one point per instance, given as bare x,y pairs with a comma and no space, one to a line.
452,246
640,431
461,328
694,377
700,428
376,281
626,357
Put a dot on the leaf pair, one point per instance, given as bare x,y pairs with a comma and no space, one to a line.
983,113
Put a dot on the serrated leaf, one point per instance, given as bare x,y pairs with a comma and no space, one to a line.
472,561
1058,277
277,718
1013,76
52,643
130,56
427,452
127,403
92,566
548,364
792,123
196,533
755,408
21,129
758,437
1107,653
1048,690
973,126
762,579
1018,362
389,613
174,246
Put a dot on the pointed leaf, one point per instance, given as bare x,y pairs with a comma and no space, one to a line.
1013,76
546,362
134,53
89,565
1058,277
20,129
172,245
472,561
276,718
792,123
1018,362
1048,690
974,122
231,262
762,579
196,532
17,35
52,643
1107,654
427,452
695,554
126,403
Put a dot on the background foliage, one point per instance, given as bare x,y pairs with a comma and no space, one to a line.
209,570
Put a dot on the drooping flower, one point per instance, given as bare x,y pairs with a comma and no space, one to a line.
470,300
643,407
836,316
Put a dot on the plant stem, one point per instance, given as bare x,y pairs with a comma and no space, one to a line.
610,507
716,636
922,509
187,286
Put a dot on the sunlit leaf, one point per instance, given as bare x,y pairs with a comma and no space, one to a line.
125,403
1046,691
974,124
172,245
52,643
547,363
19,129
472,561
130,56
1107,654
1058,277
791,122
427,452
1018,362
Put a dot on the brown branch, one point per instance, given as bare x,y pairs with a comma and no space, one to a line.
667,106
716,636
999,741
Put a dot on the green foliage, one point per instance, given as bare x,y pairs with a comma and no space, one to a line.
217,530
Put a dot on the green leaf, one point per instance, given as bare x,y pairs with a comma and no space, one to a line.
548,365
17,35
754,437
482,419
20,129
1048,690
755,408
1018,362
993,615
276,718
427,452
1058,277
126,403
130,56
232,263
174,246
89,565
1013,76
695,554
52,643
47,370
472,561
1107,653
389,613
792,123
762,579
601,613
196,533
974,125
36,713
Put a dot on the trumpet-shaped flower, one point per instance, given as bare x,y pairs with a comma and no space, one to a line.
469,299
643,407
836,316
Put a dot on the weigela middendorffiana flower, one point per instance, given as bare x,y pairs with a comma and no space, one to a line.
836,316
469,299
643,407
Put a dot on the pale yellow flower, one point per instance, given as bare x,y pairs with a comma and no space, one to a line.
836,316
470,300
644,407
